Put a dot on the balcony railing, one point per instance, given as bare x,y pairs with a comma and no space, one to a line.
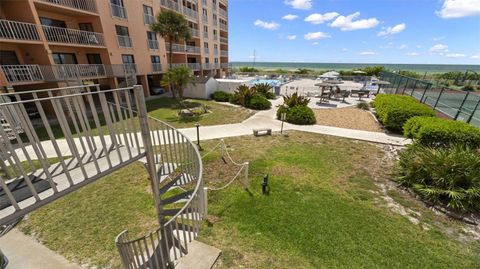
124,41
205,18
194,66
223,27
224,65
66,72
175,65
148,19
152,44
190,13
215,22
215,37
175,47
215,51
193,49
171,5
22,73
205,34
118,11
121,70
223,13
85,5
156,67
18,30
224,53
72,36
223,40
194,32
206,51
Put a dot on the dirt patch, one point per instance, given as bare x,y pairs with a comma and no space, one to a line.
349,117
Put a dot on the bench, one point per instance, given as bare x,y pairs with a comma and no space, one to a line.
262,132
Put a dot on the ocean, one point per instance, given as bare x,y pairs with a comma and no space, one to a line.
419,68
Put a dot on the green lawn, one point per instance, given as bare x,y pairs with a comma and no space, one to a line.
324,211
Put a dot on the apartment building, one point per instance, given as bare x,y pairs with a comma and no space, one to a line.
55,43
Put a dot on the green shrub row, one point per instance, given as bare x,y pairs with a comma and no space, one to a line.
259,102
449,176
221,96
394,110
438,132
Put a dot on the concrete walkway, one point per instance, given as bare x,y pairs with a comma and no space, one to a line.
24,252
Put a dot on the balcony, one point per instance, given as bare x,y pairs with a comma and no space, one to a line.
156,67
18,30
152,44
224,53
22,73
224,65
205,34
72,36
121,70
124,41
223,40
73,72
84,5
194,66
148,19
190,13
206,51
193,50
178,48
118,11
223,13
215,22
194,32
215,52
170,5
215,37
223,27
205,18
175,65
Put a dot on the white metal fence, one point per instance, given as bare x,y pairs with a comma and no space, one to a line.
72,36
22,73
86,5
124,41
18,30
118,11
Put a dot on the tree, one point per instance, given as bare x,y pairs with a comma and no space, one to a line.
177,78
173,27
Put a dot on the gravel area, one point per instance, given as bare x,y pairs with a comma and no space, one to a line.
349,117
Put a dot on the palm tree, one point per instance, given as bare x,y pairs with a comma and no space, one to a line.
178,78
173,27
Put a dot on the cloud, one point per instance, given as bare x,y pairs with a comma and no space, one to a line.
475,56
348,24
289,17
316,35
317,18
267,25
412,54
393,30
439,48
299,4
367,53
315,43
401,47
455,55
291,37
438,38
459,8
344,49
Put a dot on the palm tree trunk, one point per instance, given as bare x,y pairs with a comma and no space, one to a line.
170,55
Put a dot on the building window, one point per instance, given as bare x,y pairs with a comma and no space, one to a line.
155,59
205,13
147,10
52,22
207,60
8,57
94,58
86,26
216,60
205,45
121,30
128,59
64,58
205,29
151,36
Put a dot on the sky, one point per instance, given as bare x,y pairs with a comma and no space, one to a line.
355,31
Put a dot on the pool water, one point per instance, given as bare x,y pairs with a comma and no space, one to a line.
271,82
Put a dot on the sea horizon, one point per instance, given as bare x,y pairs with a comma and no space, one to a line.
421,68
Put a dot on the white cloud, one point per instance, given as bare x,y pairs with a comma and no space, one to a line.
316,35
419,46
412,54
346,23
475,56
367,53
291,37
267,25
289,17
317,18
455,55
439,48
402,46
299,4
315,43
344,49
459,8
438,38
393,30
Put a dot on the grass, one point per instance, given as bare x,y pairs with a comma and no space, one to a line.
166,109
323,211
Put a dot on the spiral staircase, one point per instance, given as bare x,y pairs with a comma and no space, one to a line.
83,134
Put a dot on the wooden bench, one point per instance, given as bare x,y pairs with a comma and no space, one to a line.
262,132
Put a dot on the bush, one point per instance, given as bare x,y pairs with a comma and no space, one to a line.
247,69
363,105
259,102
295,100
300,114
446,176
264,89
439,132
221,96
234,100
394,110
243,94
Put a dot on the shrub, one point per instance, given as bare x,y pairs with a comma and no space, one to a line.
439,132
221,96
394,110
248,69
446,176
264,89
363,105
300,114
259,102
243,94
295,100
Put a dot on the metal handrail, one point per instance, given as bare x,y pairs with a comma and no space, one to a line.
85,5
124,41
18,30
152,44
72,36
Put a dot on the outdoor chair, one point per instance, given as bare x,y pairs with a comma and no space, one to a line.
344,94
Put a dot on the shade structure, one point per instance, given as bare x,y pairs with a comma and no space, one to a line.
324,84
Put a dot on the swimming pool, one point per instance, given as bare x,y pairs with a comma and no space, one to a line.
271,82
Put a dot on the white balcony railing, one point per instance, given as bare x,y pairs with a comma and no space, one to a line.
223,40
148,19
205,18
190,13
194,66
215,22
152,44
175,65
124,41
18,30
66,72
175,47
206,51
118,11
194,32
86,5
223,27
215,51
170,4
205,34
156,67
223,13
215,37
22,73
72,36
224,53
193,49
224,65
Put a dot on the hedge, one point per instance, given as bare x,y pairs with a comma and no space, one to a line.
300,114
221,96
394,110
259,102
439,132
